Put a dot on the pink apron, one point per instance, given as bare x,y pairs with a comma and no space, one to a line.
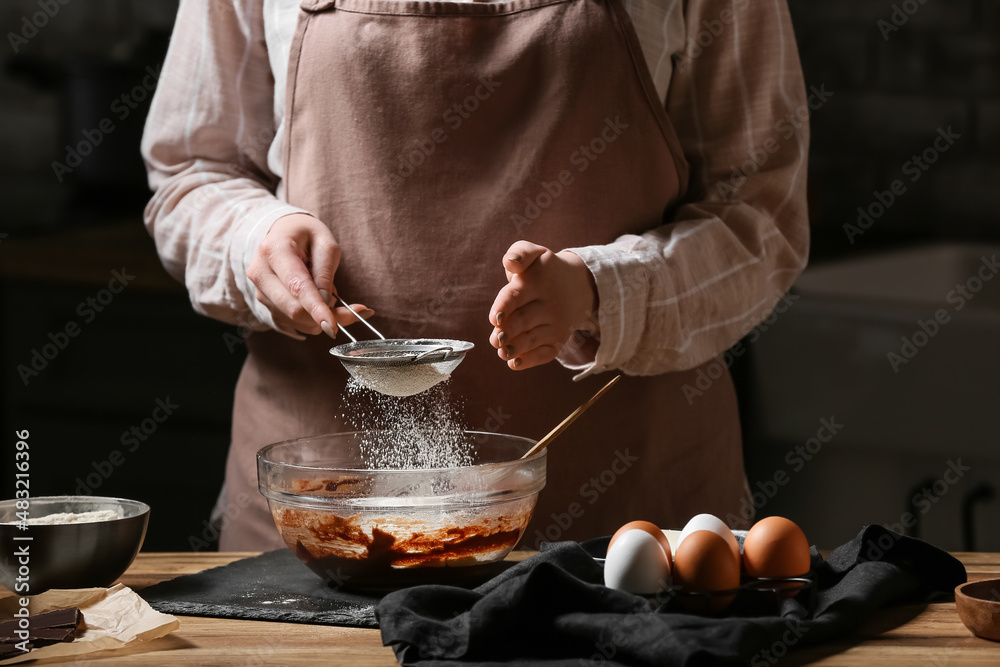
429,136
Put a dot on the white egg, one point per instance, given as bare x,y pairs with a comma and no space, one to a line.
674,538
714,524
636,563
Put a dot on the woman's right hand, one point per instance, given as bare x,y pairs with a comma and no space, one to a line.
293,272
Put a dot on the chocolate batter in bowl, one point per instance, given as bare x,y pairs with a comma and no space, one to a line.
380,529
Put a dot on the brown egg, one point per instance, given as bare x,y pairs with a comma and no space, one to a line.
704,563
648,527
776,547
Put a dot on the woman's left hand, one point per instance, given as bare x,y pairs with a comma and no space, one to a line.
548,298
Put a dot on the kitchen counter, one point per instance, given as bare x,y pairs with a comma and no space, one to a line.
925,635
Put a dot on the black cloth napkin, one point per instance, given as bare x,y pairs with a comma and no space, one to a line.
552,609
274,586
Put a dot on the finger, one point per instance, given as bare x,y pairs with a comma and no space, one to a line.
282,324
525,318
541,336
347,316
324,261
498,337
511,296
537,357
520,256
296,280
291,308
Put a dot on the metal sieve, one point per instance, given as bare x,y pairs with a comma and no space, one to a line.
399,366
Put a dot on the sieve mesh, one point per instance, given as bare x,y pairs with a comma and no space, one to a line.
401,366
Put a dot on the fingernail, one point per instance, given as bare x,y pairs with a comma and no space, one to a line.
328,329
325,296
509,350
514,258
499,316
502,337
517,362
366,313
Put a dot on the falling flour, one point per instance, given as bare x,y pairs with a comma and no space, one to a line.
412,432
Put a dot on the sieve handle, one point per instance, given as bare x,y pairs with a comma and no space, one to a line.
347,333
447,349
361,319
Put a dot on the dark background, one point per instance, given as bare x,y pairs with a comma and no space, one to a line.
60,242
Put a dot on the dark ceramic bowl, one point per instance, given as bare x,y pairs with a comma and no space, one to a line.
978,605
80,555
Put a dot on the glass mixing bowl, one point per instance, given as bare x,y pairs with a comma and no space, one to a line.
380,529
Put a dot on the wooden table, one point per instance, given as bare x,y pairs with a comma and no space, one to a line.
916,635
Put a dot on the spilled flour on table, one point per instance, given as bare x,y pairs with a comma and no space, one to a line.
408,432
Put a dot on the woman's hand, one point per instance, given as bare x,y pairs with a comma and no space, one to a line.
293,272
549,297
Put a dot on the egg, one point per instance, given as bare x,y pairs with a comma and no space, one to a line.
714,524
674,538
704,563
650,528
636,563
775,547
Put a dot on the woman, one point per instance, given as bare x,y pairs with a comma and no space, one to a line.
535,176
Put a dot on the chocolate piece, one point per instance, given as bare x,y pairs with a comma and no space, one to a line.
53,635
9,650
43,629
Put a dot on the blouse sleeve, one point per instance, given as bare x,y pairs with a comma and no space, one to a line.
681,293
205,145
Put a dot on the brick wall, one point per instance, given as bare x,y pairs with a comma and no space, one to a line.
900,71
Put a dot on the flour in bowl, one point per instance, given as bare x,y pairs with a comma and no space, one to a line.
63,518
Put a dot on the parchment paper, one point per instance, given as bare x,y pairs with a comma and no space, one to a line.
112,618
